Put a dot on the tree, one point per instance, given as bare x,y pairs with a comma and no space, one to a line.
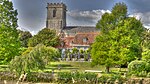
24,37
9,42
120,38
146,46
34,58
46,36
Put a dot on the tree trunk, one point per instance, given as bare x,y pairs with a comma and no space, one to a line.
107,69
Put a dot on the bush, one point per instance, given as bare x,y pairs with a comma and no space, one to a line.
148,67
148,75
142,74
40,77
33,59
111,79
103,79
67,77
8,76
136,67
33,77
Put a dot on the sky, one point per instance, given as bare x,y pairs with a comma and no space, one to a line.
32,13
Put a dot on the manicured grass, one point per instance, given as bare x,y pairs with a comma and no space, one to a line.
80,66
71,66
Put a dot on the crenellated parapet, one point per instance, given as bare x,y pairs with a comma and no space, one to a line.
57,5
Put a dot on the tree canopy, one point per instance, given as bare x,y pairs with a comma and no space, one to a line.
24,37
46,36
119,40
9,42
34,58
146,46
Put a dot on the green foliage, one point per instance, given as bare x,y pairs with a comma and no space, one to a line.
9,42
74,50
139,68
82,51
65,75
146,49
46,36
120,9
5,75
33,77
146,55
8,16
111,79
119,40
148,74
24,37
103,79
39,77
146,39
142,74
36,59
77,76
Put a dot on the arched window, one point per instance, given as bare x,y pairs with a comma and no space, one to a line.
54,13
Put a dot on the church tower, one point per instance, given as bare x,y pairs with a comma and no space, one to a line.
56,16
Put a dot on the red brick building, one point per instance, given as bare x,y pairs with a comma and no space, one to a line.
78,37
71,36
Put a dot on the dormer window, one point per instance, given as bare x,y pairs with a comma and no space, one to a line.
85,40
54,12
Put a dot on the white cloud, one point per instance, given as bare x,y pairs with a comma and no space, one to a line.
87,17
91,17
144,17
33,32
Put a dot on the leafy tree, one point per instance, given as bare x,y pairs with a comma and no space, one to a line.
146,55
146,39
34,58
146,46
120,38
45,36
24,37
74,50
9,42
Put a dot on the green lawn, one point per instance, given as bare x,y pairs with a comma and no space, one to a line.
70,66
78,66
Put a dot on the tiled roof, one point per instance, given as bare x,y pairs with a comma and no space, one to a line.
77,40
78,36
89,37
77,29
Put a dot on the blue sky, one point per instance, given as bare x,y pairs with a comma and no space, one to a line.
32,13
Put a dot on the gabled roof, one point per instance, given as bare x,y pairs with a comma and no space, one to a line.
79,29
78,39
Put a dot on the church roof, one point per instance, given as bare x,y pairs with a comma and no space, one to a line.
80,29
90,37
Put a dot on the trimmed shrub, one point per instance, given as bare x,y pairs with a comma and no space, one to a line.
103,79
40,77
142,74
33,77
148,75
111,79
7,76
68,77
148,67
135,67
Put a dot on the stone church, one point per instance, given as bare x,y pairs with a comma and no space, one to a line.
71,36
